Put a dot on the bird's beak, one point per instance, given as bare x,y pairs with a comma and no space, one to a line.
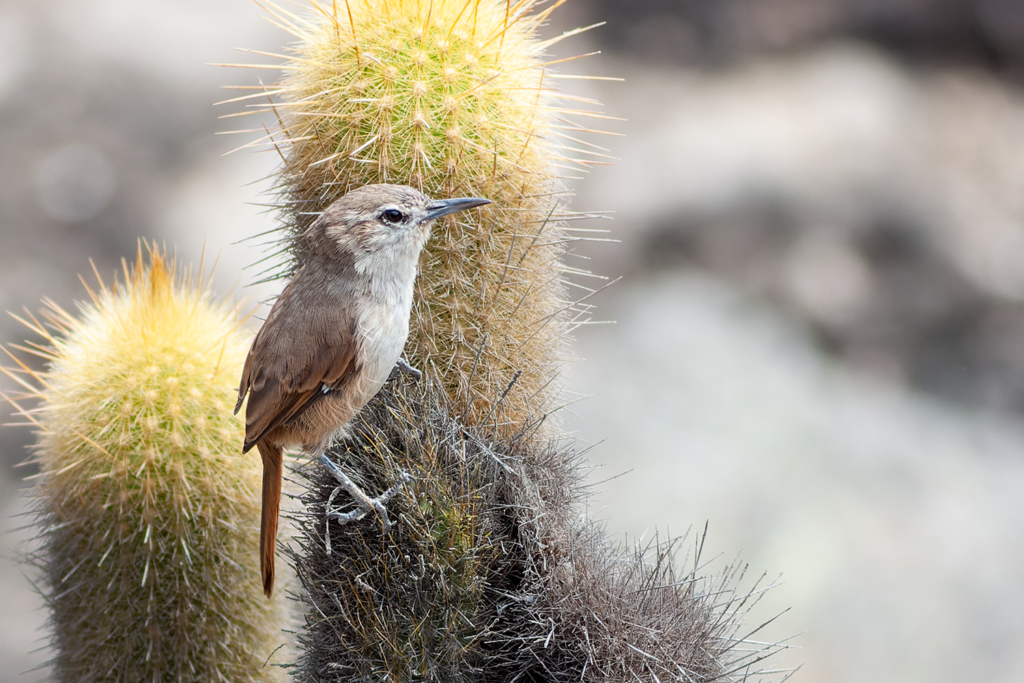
443,207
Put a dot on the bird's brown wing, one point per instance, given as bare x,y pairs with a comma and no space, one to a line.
300,349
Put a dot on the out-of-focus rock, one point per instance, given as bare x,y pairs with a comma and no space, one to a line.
882,206
985,33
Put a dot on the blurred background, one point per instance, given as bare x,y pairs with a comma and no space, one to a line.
818,345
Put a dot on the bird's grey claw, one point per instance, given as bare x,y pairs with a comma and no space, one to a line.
403,366
364,503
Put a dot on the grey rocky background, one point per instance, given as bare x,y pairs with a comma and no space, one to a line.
818,340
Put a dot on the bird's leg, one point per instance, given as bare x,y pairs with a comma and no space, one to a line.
403,366
365,504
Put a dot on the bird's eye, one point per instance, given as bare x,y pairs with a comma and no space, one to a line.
393,216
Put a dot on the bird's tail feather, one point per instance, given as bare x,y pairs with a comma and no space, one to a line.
272,473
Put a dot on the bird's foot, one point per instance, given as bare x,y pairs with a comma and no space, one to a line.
403,366
365,504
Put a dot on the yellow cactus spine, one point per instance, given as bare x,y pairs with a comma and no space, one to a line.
454,98
148,512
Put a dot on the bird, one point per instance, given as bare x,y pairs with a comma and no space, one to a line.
334,334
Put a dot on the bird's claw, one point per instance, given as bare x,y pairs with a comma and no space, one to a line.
403,366
365,504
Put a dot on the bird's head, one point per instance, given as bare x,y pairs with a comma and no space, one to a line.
376,223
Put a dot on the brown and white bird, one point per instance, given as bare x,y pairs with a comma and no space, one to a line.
335,333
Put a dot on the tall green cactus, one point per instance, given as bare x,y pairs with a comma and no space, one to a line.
491,573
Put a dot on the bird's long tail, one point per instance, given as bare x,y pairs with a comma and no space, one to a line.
272,474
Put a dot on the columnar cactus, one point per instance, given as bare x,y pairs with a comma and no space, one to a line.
148,512
491,572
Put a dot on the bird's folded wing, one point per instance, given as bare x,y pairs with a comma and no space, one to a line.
295,354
